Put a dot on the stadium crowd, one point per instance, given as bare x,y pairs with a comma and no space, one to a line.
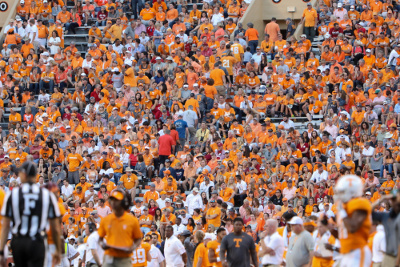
201,120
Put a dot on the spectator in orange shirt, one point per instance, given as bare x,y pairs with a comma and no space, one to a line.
251,37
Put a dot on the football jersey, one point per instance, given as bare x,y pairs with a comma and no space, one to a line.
215,245
139,256
359,239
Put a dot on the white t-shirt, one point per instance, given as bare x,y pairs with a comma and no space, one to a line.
81,250
274,242
194,202
31,30
87,193
368,152
71,251
67,191
173,250
378,245
93,243
160,203
178,229
156,257
318,177
287,124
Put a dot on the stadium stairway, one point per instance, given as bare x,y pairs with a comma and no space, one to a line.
81,37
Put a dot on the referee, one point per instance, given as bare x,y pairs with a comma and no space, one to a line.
29,208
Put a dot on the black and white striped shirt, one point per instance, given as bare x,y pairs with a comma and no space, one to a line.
29,208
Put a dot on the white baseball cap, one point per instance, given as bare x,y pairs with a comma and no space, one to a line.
296,220
339,5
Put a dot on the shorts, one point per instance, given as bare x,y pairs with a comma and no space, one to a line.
356,258
163,158
73,177
221,90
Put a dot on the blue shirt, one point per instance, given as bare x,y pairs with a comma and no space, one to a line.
181,126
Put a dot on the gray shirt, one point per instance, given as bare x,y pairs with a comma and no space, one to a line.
269,155
129,31
391,223
116,119
157,66
63,144
58,176
300,246
189,247
185,94
190,117
118,80
113,15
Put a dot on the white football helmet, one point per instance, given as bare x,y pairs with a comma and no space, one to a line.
347,188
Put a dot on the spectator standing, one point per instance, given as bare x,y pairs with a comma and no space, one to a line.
238,247
272,245
310,19
301,245
272,29
252,37
390,222
378,246
166,146
174,251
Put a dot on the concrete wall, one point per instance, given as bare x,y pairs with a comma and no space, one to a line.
260,13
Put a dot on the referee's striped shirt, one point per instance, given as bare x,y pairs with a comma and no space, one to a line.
29,208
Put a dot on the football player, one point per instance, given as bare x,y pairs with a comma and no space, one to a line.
354,222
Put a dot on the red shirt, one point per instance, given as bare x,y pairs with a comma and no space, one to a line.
100,2
165,144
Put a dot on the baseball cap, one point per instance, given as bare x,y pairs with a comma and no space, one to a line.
117,195
296,220
186,233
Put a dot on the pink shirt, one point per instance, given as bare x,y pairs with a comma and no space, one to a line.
103,212
289,193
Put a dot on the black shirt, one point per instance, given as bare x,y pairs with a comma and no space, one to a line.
348,33
29,208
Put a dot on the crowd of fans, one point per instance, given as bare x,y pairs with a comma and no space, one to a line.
172,97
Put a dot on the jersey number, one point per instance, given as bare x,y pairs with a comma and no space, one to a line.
139,256
226,63
29,204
